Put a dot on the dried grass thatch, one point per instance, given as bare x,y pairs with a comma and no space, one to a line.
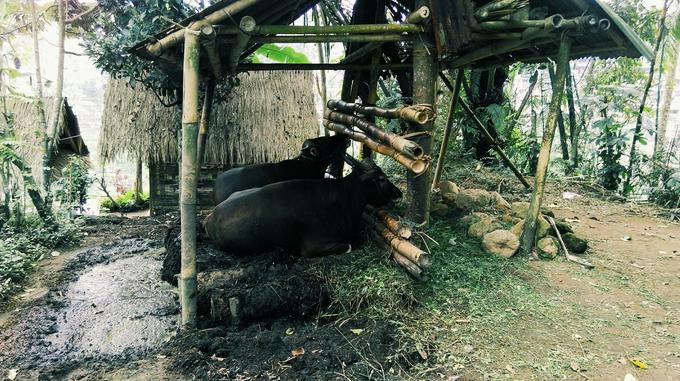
266,119
29,135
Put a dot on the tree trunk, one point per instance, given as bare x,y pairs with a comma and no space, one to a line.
531,221
627,188
53,128
669,89
40,100
138,182
322,49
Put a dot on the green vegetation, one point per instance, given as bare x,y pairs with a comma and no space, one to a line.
126,202
24,242
468,291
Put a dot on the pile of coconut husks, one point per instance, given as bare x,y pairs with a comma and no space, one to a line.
499,225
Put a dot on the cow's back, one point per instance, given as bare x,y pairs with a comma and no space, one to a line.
259,175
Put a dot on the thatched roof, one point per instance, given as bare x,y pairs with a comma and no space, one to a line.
265,119
30,138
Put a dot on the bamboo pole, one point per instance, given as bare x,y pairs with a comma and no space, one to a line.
407,147
525,100
319,66
205,121
189,179
447,130
494,144
261,30
402,261
424,84
419,15
217,17
501,47
404,247
529,235
416,166
560,121
380,38
415,114
208,40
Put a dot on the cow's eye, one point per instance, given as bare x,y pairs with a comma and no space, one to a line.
313,151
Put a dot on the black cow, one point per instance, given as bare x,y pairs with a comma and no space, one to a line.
314,217
315,156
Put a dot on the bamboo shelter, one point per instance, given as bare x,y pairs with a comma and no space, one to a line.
413,41
29,136
136,124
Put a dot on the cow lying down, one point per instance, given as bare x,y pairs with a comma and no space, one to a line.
315,156
312,217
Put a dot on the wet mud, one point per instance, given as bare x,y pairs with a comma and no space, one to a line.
111,314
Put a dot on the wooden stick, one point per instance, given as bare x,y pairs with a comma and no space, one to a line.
397,142
494,144
416,166
569,257
447,131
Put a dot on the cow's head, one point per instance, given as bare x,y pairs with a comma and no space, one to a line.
324,149
380,189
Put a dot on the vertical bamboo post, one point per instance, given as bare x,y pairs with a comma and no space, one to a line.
424,81
189,179
138,181
205,121
529,236
447,130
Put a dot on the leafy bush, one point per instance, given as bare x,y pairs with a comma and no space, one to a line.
71,188
24,242
668,195
126,203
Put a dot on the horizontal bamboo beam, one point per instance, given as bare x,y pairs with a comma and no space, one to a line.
329,38
319,66
414,114
325,29
220,15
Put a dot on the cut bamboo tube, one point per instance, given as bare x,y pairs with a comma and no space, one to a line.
416,166
391,222
208,41
402,261
401,246
419,15
205,120
326,29
415,114
397,142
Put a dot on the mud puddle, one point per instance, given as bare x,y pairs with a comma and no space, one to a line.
108,307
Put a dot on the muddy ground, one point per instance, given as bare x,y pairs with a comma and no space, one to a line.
107,314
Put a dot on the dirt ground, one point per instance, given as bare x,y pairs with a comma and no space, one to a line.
102,312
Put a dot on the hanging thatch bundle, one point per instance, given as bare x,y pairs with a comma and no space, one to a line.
29,135
265,119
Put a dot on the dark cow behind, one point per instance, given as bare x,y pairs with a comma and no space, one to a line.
315,156
312,217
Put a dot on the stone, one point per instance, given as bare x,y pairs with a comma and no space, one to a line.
518,228
501,243
547,212
548,247
575,244
472,199
449,198
448,187
438,209
500,202
543,227
470,219
562,226
519,209
506,218
479,228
